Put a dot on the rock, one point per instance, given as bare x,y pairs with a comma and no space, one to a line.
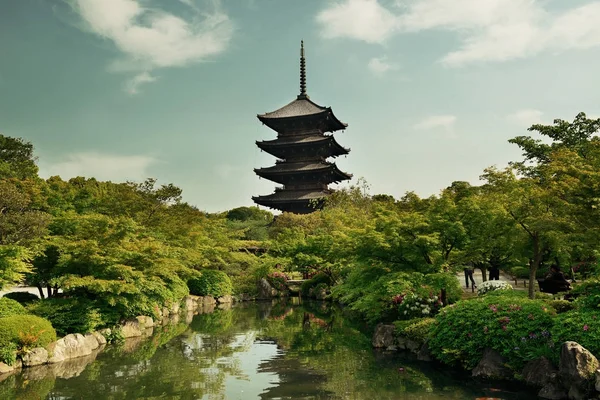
37,356
265,290
244,297
145,321
424,354
227,299
224,306
190,303
552,391
492,366
174,309
71,346
91,341
539,372
383,336
208,301
577,368
408,344
131,329
100,337
165,312
5,368
598,380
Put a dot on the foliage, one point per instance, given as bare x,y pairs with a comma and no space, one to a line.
211,283
10,307
16,158
447,281
561,306
588,294
26,331
8,353
581,326
416,329
73,315
413,305
278,280
22,297
490,286
313,282
517,328
13,264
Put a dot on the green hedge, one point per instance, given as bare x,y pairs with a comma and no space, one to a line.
581,326
26,331
211,283
71,315
10,307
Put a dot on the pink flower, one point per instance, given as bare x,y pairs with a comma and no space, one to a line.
585,327
503,327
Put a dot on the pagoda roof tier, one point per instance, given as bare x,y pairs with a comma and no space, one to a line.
300,113
286,172
325,146
301,201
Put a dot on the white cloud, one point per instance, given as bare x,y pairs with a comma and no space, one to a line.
106,167
150,38
489,30
380,66
526,117
436,121
132,86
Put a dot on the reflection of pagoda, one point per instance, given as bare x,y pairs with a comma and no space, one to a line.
302,149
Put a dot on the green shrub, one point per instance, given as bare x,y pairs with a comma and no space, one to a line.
212,283
26,331
8,353
72,315
22,297
588,294
278,280
517,328
446,281
581,326
315,281
10,307
561,306
415,329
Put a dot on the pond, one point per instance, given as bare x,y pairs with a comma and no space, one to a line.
264,350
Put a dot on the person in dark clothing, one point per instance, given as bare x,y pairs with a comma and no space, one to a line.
469,275
494,274
555,281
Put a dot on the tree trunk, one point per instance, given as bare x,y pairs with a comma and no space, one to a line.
483,273
41,290
49,289
533,266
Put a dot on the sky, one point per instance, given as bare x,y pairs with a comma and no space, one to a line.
170,89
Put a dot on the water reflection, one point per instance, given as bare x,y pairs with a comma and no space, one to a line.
273,350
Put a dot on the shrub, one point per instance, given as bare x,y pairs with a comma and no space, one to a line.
211,283
319,278
445,281
8,353
22,297
10,307
490,286
71,315
588,294
26,331
278,280
517,328
581,326
561,306
415,329
414,305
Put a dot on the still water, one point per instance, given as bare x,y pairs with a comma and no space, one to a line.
253,351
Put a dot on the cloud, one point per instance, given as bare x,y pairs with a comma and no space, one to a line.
436,121
526,117
488,30
106,167
132,86
380,66
150,38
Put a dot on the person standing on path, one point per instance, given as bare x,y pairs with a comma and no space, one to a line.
469,275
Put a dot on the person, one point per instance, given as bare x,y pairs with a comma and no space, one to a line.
555,280
469,275
494,274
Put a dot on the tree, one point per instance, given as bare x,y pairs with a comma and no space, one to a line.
16,158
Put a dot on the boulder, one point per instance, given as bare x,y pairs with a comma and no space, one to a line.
131,328
492,366
384,336
227,299
265,290
91,341
190,303
174,309
71,346
145,321
208,301
553,391
165,312
100,337
37,356
5,368
539,372
577,368
598,380
424,354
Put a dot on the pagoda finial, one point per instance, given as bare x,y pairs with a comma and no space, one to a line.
303,94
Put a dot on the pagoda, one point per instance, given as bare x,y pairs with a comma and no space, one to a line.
302,148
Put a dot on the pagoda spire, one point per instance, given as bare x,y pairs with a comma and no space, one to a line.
303,94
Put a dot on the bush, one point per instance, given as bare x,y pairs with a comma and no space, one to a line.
278,280
10,307
414,305
445,281
415,329
211,283
517,328
26,331
8,353
314,282
561,306
490,286
22,297
581,326
588,294
71,315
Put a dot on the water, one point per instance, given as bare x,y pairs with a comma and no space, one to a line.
253,351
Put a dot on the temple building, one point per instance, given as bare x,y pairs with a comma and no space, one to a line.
302,148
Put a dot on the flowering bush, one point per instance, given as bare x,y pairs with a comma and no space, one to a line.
413,305
490,286
278,280
581,326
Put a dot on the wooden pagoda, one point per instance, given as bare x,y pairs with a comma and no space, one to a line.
302,148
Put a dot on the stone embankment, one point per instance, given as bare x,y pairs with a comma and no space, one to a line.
85,347
577,376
